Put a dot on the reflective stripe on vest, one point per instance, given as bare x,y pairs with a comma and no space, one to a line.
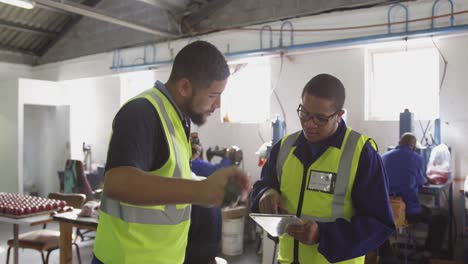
283,153
343,170
316,205
137,214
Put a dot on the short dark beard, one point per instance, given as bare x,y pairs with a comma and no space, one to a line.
195,117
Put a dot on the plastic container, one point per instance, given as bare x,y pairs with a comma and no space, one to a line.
233,236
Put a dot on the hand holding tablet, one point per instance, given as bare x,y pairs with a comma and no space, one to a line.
275,224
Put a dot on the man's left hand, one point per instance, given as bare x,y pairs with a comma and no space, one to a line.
307,233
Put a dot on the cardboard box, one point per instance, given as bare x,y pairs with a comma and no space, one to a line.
234,212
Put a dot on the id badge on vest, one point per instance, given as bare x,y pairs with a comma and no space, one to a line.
322,181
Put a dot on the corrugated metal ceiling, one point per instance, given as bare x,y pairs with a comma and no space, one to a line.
30,31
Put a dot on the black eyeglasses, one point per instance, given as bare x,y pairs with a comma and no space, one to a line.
319,120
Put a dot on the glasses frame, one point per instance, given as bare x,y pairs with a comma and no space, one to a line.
318,119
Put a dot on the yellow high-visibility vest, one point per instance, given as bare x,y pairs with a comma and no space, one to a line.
339,164
149,234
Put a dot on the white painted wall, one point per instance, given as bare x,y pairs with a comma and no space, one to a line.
93,104
14,71
134,83
9,150
46,141
42,151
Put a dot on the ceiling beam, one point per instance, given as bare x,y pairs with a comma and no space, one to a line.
167,4
17,50
205,10
89,12
55,10
72,21
23,28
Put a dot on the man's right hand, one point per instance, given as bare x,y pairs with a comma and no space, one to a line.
271,203
212,190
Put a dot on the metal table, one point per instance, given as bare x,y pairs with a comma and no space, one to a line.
436,190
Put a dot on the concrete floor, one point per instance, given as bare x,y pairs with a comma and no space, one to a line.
86,249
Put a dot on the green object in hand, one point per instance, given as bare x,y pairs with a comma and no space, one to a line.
231,195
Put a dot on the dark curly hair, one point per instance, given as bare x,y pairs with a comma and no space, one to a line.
201,63
326,86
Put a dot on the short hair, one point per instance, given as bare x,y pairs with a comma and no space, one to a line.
201,63
408,139
326,86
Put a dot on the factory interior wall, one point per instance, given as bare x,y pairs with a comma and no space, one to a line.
99,91
45,147
93,104
9,142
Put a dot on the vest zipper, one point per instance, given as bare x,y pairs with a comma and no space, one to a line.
299,212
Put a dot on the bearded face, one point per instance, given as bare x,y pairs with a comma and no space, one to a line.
203,102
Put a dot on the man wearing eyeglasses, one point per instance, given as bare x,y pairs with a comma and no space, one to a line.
329,176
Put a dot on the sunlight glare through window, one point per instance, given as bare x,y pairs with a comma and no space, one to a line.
404,79
246,98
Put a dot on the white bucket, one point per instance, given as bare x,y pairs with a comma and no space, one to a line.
233,236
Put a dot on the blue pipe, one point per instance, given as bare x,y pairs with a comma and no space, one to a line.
291,35
452,18
331,43
388,17
261,36
355,41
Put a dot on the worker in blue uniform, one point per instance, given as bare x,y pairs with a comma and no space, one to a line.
204,239
329,176
406,175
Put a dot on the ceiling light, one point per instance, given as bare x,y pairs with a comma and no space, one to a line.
19,3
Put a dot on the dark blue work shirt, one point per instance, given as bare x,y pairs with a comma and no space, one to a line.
204,239
405,170
138,138
204,168
372,223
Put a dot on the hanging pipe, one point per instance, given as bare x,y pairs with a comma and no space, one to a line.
114,55
171,50
116,60
154,53
291,35
452,18
325,44
388,17
261,36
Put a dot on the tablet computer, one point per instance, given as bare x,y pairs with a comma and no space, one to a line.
274,224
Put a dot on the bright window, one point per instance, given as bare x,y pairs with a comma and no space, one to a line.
246,98
403,80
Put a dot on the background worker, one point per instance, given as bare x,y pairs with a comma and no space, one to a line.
204,238
332,178
406,175
205,168
148,187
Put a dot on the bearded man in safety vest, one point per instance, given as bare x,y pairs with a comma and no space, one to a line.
329,176
148,190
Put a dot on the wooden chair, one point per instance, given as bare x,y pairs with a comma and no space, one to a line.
75,169
401,223
46,240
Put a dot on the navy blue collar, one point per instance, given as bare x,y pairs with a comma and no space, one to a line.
404,147
308,152
160,86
